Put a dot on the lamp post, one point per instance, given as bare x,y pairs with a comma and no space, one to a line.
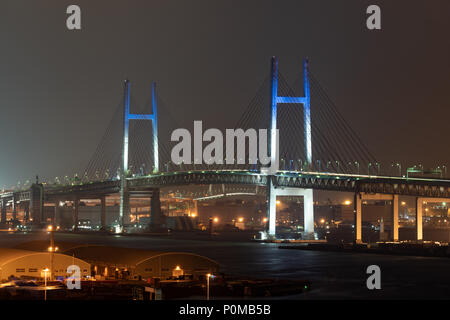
357,166
45,283
51,248
300,164
208,277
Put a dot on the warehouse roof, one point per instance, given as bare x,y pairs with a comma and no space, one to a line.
94,254
8,255
121,256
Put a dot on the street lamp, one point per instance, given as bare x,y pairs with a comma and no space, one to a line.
357,166
300,164
208,277
45,283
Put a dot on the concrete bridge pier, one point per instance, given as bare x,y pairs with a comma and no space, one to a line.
359,197
419,219
57,214
36,203
419,213
26,210
103,213
76,204
14,208
308,207
155,210
3,209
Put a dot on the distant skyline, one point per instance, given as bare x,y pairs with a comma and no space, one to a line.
59,88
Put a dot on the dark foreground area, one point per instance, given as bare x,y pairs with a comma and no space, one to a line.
332,275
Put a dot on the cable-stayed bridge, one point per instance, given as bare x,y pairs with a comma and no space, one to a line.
317,150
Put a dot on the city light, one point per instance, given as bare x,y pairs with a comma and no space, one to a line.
278,202
322,220
241,219
46,270
216,219
347,202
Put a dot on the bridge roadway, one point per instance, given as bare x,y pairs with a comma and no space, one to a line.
365,187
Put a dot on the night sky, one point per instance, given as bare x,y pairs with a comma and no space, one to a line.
59,88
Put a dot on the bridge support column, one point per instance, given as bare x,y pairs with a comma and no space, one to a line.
419,221
308,205
36,203
3,211
57,215
155,210
358,217
26,210
76,204
103,213
14,208
271,207
395,218
124,207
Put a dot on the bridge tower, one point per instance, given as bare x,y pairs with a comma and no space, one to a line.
272,190
127,116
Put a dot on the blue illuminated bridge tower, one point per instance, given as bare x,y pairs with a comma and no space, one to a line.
127,116
272,191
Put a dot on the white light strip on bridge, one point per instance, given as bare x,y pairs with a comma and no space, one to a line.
226,195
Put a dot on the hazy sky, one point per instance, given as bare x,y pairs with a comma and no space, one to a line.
59,88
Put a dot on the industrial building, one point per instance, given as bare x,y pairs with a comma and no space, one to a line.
31,264
126,263
134,264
